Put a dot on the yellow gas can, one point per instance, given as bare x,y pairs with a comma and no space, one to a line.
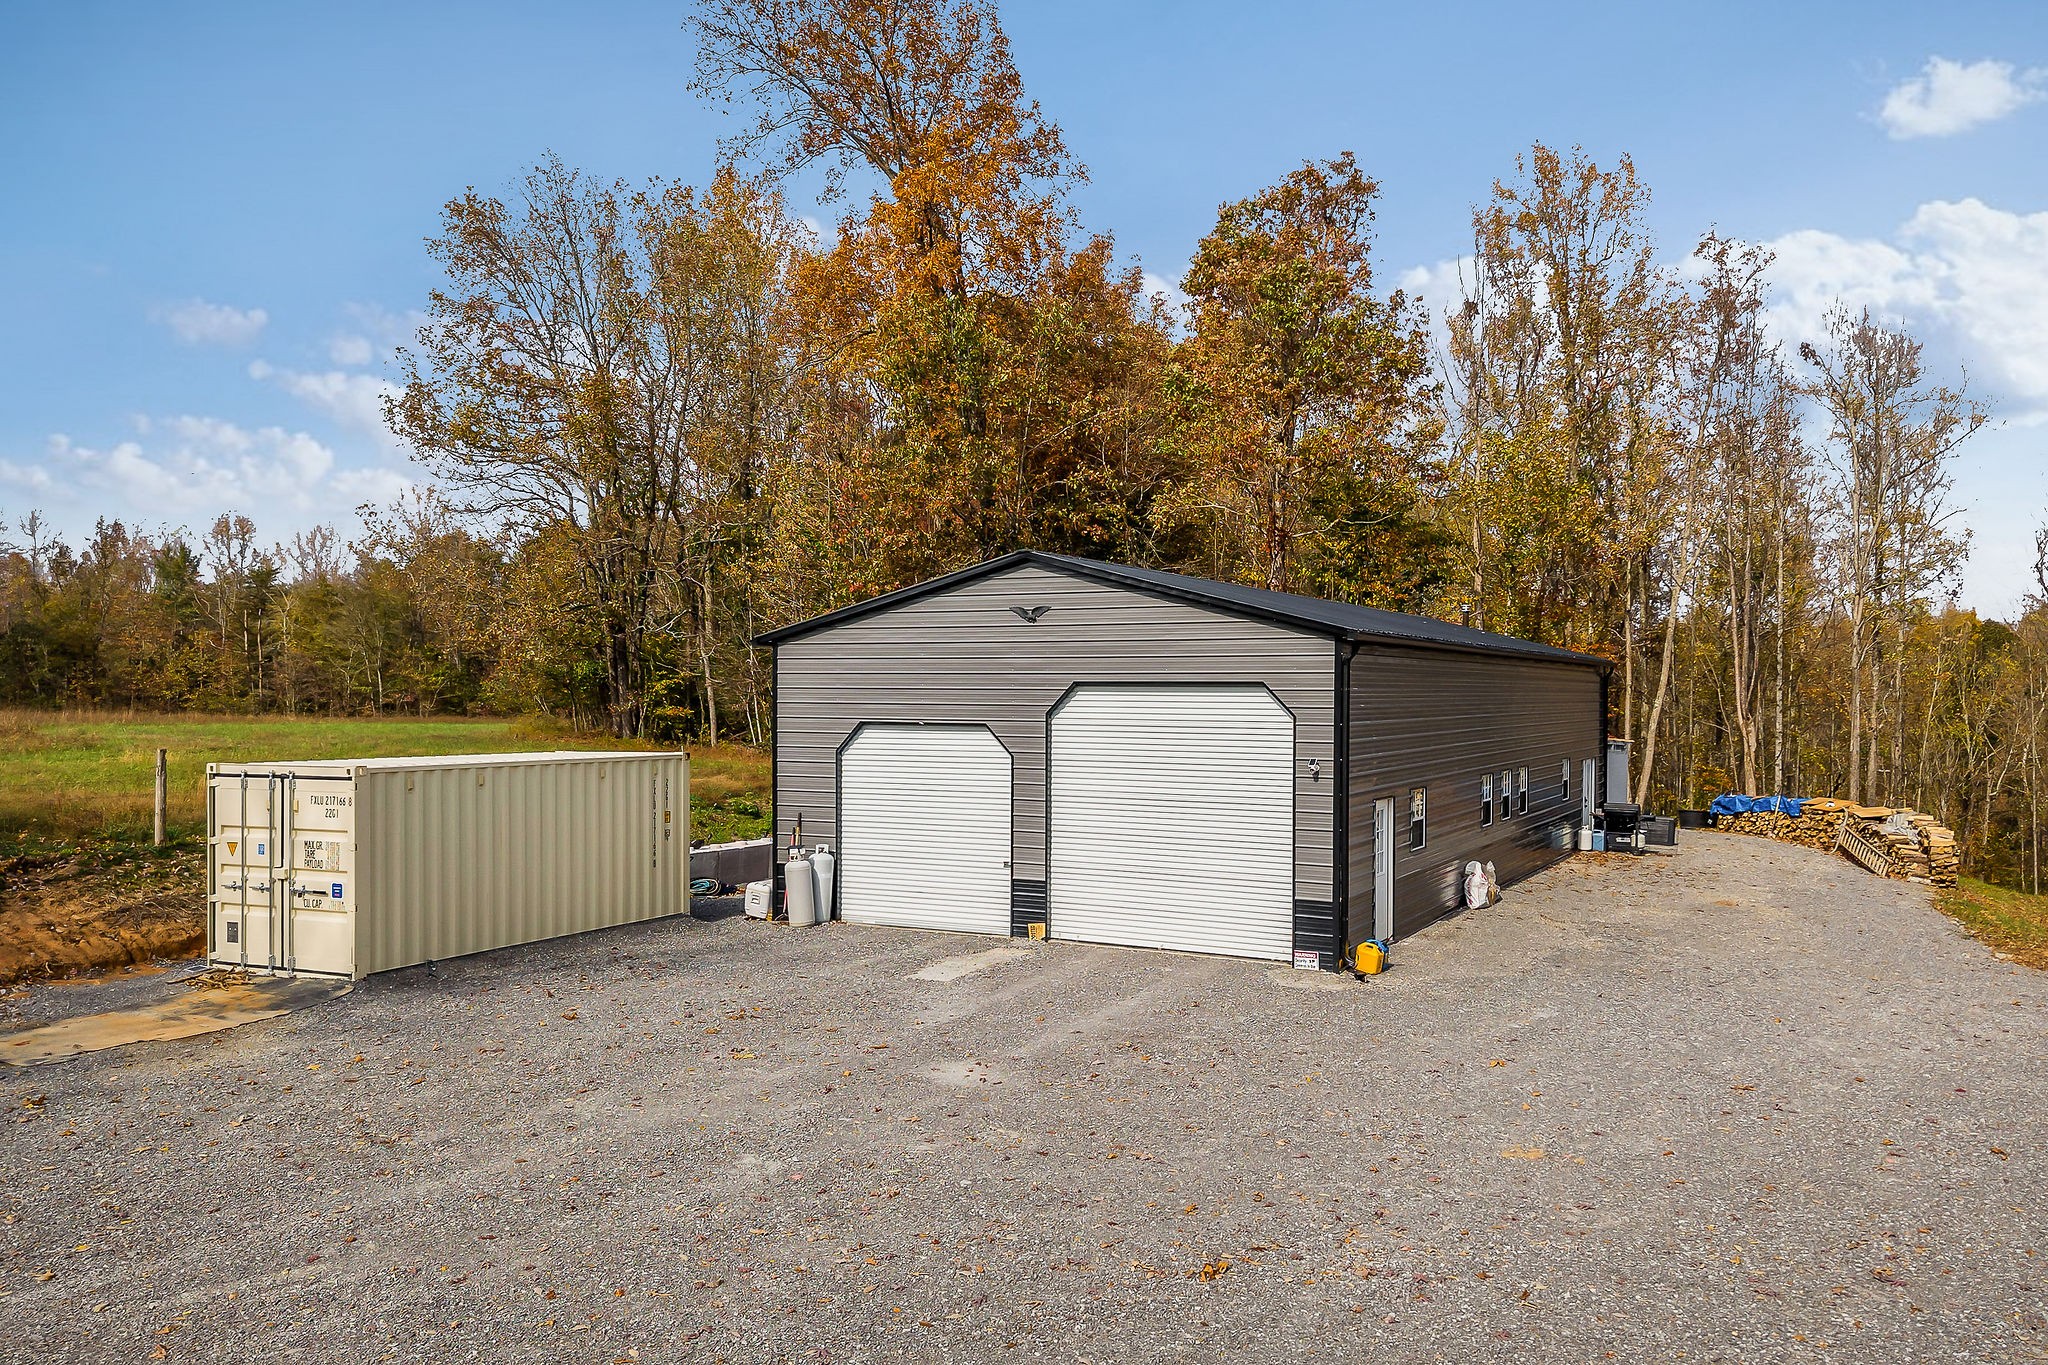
1370,957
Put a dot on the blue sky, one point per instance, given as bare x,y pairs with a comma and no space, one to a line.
215,212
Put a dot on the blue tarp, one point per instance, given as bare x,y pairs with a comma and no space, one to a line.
1749,805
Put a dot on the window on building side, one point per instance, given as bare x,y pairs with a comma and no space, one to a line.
1418,816
1486,799
1507,794
1522,792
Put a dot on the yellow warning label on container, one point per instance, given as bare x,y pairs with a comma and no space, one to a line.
231,848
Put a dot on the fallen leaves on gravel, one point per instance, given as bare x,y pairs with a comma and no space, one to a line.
1524,1153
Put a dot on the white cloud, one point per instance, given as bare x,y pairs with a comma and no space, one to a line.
1976,272
1948,97
32,477
1442,286
183,466
1972,282
197,322
351,349
354,400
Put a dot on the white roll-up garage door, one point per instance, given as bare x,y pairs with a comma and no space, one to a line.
1173,819
924,828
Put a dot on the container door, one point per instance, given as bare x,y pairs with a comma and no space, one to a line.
320,876
1383,869
1172,819
924,828
282,850
241,848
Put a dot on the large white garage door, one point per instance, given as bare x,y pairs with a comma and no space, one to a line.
924,828
1173,819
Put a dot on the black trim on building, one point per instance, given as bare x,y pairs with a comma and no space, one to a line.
1027,905
1315,930
1340,815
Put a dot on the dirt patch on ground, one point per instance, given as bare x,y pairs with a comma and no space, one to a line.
91,908
171,1009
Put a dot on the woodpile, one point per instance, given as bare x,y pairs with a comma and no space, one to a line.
1813,829
1903,844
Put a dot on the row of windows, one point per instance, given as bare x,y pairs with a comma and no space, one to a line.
1514,800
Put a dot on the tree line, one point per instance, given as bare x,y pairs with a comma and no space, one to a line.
657,419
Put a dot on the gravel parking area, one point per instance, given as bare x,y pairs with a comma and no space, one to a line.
1740,1104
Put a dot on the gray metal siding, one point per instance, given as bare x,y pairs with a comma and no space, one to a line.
1443,721
964,656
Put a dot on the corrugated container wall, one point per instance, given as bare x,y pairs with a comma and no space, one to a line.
387,863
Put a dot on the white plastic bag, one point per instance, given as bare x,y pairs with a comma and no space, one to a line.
1477,889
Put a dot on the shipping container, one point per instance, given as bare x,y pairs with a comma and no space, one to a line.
346,867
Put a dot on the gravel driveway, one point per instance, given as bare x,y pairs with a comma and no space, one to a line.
1743,1104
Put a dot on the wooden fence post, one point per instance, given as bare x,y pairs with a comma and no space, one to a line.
163,788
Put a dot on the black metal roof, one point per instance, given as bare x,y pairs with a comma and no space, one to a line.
1341,620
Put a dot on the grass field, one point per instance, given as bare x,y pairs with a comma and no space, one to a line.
68,775
2011,922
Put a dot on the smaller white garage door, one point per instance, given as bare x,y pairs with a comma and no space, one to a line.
1173,819
924,828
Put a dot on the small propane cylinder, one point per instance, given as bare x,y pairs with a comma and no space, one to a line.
799,891
823,864
1370,957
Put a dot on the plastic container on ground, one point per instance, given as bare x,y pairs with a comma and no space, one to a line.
760,899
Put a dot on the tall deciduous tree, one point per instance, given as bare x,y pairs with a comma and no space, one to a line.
565,380
1304,417
982,367
1893,434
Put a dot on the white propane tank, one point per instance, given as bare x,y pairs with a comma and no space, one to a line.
760,899
799,891
823,864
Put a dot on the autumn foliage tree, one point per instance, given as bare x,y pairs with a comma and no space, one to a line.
983,369
1303,413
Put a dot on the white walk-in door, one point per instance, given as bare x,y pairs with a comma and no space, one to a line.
924,828
1383,869
1172,819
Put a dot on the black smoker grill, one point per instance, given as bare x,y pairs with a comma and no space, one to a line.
1623,824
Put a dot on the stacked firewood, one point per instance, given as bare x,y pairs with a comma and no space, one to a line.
1903,844
1815,827
1938,842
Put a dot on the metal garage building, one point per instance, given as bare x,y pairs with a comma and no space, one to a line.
1143,758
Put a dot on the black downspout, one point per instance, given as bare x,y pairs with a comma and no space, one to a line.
774,763
1340,871
1600,746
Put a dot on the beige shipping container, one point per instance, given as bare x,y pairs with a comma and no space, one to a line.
345,867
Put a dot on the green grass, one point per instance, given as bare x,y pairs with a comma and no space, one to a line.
72,775
2012,922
